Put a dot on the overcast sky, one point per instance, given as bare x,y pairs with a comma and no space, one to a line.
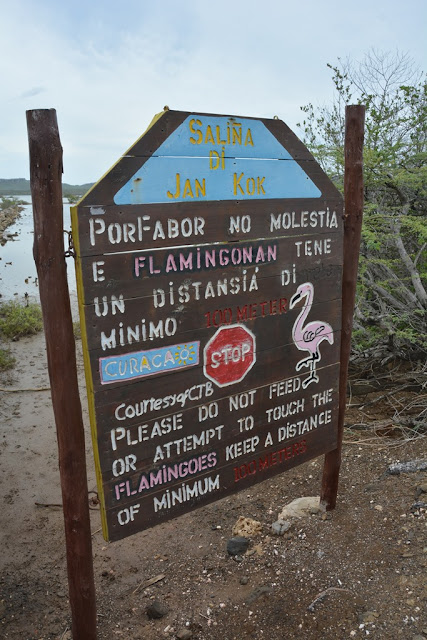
107,67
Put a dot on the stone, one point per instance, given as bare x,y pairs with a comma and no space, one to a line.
184,634
422,488
247,527
315,510
407,467
237,546
372,488
258,593
301,507
280,527
368,617
157,610
415,508
244,580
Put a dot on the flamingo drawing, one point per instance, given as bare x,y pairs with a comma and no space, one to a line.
309,337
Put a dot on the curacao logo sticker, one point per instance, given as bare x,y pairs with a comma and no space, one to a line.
141,364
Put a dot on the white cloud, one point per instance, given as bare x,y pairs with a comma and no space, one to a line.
107,68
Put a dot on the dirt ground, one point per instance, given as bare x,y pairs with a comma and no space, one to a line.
358,572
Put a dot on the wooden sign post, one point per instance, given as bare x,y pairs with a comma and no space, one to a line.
209,269
353,194
46,191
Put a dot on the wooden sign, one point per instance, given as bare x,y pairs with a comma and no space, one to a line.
209,263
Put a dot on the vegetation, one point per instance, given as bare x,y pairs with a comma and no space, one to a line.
21,187
10,210
7,361
6,203
17,321
391,310
72,199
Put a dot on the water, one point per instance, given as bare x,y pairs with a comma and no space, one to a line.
18,275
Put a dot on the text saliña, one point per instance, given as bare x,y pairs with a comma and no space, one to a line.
229,133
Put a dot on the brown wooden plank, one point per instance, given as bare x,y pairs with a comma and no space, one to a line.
129,410
272,332
124,490
137,274
113,228
268,365
272,298
279,460
215,425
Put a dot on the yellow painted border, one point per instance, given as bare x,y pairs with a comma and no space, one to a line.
86,357
88,370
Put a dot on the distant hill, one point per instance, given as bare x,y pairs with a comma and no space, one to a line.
21,187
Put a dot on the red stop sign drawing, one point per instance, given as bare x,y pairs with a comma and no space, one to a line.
229,355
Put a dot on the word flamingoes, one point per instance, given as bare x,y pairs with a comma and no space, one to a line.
309,337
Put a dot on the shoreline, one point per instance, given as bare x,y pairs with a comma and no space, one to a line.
7,218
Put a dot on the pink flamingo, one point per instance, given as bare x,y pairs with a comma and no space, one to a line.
308,338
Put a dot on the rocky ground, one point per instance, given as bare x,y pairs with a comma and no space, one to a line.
358,572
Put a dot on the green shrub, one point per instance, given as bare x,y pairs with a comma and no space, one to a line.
391,305
7,361
17,321
6,202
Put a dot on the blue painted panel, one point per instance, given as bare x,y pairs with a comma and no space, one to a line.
211,159
242,138
171,179
141,364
